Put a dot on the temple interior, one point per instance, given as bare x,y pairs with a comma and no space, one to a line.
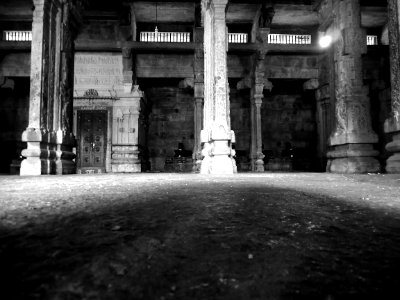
199,149
181,86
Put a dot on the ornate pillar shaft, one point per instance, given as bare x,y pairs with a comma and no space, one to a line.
257,162
126,115
216,134
259,83
352,140
392,124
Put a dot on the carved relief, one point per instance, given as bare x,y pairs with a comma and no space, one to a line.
341,113
102,72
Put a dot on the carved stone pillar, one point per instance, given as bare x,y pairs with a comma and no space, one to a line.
48,136
125,143
258,86
65,138
392,124
257,162
353,138
126,114
216,135
36,132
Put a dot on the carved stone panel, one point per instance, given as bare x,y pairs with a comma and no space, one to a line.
100,71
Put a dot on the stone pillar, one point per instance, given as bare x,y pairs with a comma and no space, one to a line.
392,124
64,104
198,69
37,129
216,136
125,138
126,113
48,136
257,162
258,86
323,99
352,138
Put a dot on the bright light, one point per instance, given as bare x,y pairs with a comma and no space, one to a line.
325,41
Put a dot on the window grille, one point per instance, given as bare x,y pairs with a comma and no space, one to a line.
165,37
19,36
238,38
289,39
372,40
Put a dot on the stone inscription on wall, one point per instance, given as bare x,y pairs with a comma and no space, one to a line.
99,71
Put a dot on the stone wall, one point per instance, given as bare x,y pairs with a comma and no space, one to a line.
171,122
14,105
16,64
288,122
103,30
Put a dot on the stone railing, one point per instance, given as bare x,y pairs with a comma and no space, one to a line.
290,39
372,40
238,38
165,37
19,36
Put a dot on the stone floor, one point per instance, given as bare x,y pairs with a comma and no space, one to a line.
174,236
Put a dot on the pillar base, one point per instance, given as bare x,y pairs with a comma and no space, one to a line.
221,164
31,166
125,159
65,163
353,159
393,162
126,168
196,162
259,166
218,158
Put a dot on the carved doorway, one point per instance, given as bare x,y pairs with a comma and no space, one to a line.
92,131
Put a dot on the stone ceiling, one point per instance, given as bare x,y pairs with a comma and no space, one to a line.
288,12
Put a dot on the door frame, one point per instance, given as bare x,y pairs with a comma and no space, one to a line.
77,110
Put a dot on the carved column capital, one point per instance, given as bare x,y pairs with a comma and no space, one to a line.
186,83
244,83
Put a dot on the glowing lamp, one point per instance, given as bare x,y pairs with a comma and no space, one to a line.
325,41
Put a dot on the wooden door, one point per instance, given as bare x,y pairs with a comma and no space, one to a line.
92,141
